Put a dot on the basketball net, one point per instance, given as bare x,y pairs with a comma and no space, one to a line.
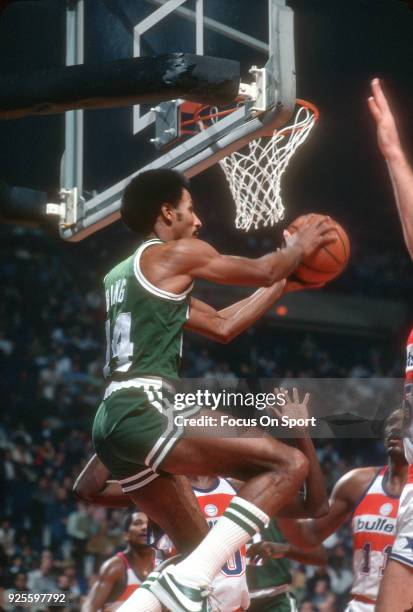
254,174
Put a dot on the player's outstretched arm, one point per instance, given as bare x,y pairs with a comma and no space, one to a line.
310,533
93,485
198,259
315,501
226,324
401,173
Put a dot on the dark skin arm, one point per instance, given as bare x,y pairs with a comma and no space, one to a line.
173,265
224,325
280,550
315,502
108,586
309,533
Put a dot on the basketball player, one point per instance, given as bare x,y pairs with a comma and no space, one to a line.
370,496
123,573
135,435
214,495
400,171
396,592
269,579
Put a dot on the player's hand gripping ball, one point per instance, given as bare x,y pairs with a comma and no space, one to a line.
328,261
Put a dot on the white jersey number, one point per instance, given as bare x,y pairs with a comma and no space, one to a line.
121,347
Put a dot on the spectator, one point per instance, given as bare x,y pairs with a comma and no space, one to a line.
80,527
7,537
20,588
341,577
43,580
323,598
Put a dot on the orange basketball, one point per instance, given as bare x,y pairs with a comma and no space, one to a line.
326,263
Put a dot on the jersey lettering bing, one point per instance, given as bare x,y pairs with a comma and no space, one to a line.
143,323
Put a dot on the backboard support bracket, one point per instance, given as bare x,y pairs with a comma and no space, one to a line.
269,101
167,124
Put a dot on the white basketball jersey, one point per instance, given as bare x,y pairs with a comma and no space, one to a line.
230,585
373,527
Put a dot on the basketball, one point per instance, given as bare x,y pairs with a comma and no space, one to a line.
326,263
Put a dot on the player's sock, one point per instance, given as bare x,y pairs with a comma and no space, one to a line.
142,599
241,520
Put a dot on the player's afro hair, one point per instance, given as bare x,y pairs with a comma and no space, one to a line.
146,193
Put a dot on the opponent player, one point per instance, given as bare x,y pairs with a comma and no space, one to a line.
230,584
396,592
123,573
135,435
214,495
371,497
269,579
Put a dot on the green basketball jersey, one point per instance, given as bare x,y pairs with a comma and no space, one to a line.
143,323
275,571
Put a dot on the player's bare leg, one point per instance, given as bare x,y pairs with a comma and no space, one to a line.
396,589
274,474
170,502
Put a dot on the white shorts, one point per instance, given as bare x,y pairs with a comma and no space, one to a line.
402,550
359,606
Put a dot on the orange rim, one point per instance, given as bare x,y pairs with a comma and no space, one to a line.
197,110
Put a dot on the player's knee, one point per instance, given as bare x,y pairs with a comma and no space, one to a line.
298,464
78,492
292,463
290,472
81,491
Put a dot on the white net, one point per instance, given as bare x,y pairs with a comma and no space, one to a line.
254,173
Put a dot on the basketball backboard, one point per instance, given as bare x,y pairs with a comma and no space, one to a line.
105,148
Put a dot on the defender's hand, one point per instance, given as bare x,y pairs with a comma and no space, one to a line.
293,408
387,134
263,551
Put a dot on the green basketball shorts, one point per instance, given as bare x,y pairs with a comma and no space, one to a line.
281,603
134,430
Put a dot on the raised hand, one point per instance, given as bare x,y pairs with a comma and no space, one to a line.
387,134
295,409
